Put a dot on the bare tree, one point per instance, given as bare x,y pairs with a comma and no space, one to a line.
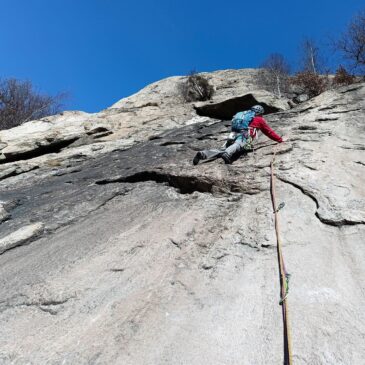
308,80
352,42
310,56
274,74
20,103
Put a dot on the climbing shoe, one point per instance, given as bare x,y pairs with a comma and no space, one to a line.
226,159
199,156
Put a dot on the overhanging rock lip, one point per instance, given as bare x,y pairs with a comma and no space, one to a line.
224,109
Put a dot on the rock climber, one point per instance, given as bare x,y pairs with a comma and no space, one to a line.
243,139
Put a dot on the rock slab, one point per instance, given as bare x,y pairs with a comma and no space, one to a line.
143,258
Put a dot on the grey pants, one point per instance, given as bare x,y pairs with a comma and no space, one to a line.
230,151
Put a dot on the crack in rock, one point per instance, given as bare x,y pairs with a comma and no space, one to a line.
356,147
186,184
113,196
117,270
328,221
51,306
306,109
207,266
134,249
226,109
53,147
345,111
307,128
172,143
175,243
324,119
352,89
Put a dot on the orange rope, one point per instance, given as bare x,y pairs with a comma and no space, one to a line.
283,275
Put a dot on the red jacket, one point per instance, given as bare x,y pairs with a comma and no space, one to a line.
260,123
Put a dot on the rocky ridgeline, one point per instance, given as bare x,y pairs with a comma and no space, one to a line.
115,249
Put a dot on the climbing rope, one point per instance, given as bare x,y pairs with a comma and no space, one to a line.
284,275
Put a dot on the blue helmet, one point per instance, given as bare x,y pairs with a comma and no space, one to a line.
258,109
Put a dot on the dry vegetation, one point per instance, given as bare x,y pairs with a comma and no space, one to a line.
312,78
20,103
196,88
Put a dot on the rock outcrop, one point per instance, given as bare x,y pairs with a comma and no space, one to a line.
156,108
123,252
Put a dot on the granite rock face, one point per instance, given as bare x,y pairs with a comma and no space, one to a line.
129,254
155,108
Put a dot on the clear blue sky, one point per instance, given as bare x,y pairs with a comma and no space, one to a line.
103,50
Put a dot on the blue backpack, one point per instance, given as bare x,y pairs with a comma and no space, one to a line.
242,120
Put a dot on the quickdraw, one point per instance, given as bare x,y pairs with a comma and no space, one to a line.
287,278
281,206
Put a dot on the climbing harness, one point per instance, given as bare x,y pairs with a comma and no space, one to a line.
230,140
246,135
284,275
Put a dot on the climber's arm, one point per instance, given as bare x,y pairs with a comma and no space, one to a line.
264,127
